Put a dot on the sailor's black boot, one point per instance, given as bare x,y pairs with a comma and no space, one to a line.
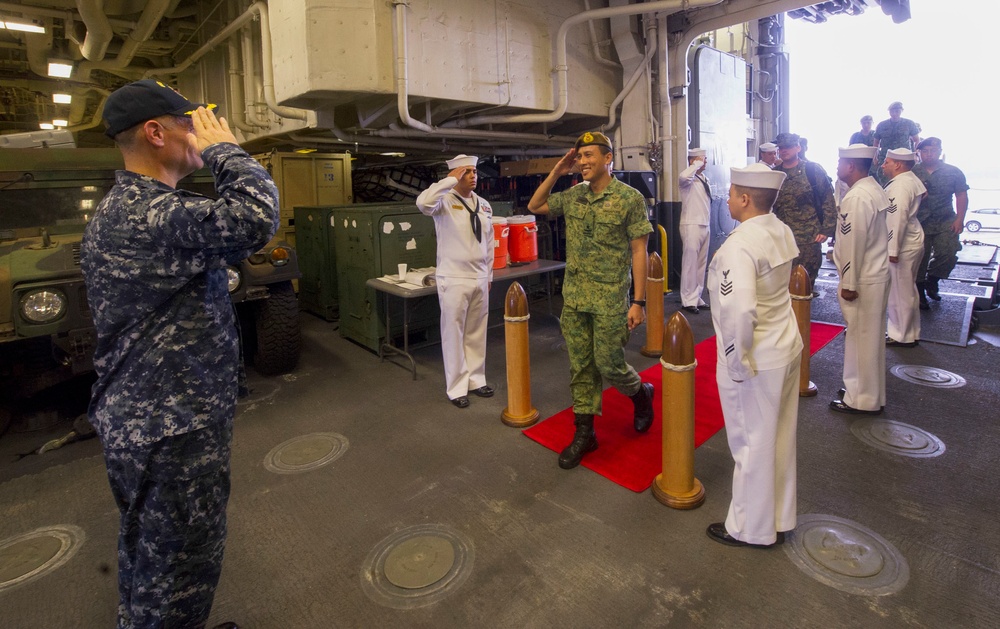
931,286
584,441
643,402
921,286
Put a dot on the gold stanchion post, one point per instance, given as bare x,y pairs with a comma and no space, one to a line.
654,307
519,412
677,487
800,288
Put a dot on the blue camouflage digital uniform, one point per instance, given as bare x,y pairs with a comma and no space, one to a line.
154,260
599,231
936,215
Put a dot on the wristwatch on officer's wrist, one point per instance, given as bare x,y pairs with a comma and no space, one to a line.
640,302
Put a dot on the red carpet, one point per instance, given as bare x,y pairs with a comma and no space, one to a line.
631,459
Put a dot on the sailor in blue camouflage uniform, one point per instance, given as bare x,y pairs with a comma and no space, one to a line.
606,234
154,259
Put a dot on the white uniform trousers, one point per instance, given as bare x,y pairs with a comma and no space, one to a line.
904,303
694,261
761,421
864,347
464,314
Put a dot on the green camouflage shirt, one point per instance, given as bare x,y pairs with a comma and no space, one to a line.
599,231
942,184
796,205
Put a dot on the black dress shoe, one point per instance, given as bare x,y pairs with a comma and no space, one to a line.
841,392
717,533
841,407
461,402
691,309
923,303
704,307
483,391
894,343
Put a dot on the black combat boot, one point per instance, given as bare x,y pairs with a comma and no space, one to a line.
923,296
643,402
584,441
931,286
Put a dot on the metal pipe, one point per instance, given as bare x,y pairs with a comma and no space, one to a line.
601,59
639,71
61,14
256,9
99,32
561,97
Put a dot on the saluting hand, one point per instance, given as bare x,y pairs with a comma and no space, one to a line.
209,130
566,165
459,172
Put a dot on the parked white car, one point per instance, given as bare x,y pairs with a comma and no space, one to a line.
982,219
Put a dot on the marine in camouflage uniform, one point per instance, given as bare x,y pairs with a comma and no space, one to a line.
938,217
796,207
602,229
154,259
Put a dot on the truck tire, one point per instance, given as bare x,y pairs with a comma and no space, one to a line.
279,340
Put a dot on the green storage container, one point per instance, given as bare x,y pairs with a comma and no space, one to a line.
370,240
317,261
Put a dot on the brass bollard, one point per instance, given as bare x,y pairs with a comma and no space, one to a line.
677,487
800,288
654,307
519,412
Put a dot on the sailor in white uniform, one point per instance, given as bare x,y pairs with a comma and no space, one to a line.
759,350
906,246
696,205
464,227
769,155
861,254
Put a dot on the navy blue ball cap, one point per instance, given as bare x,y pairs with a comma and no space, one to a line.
141,101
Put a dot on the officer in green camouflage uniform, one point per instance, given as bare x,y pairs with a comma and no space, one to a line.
941,222
606,234
796,204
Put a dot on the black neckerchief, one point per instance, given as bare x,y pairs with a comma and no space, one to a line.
477,227
708,190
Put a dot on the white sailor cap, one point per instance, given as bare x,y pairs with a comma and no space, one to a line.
462,160
697,152
768,147
902,155
757,176
858,151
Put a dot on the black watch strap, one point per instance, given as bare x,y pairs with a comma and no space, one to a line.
641,302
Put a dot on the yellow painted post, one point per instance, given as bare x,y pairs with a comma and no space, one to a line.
663,257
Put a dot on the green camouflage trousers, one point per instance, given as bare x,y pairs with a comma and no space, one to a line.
941,247
811,257
596,345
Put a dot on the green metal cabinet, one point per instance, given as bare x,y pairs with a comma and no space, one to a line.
317,261
370,240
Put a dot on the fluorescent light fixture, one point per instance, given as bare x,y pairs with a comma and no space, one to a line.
393,154
305,150
60,69
62,99
48,126
60,123
20,26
